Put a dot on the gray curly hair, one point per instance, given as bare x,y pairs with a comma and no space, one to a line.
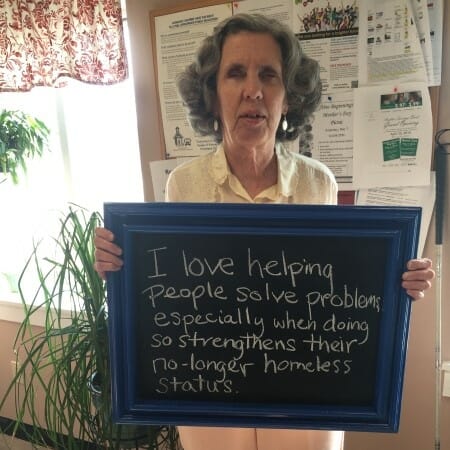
197,83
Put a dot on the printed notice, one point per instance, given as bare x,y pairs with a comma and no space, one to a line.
423,196
281,11
333,136
389,45
420,12
393,136
178,37
160,171
328,31
435,17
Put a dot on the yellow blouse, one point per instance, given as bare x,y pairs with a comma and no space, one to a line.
301,180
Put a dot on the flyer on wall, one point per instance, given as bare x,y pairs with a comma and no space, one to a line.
389,46
328,32
392,134
332,141
422,196
160,171
282,10
420,13
178,36
435,16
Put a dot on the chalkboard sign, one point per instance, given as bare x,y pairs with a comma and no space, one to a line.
260,315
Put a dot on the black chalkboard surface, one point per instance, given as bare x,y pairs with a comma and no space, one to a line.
260,315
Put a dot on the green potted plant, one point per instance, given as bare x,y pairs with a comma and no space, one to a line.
21,137
67,361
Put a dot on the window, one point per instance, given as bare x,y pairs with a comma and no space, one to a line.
94,158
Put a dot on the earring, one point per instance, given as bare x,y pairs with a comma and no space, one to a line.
216,125
284,123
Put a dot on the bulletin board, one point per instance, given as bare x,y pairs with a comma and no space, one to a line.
335,135
194,13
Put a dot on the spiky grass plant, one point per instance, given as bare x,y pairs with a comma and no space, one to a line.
59,361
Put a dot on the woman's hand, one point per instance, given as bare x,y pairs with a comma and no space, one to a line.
107,254
418,277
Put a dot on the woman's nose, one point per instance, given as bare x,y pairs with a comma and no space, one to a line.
253,88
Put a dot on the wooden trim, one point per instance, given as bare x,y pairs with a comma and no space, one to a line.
185,7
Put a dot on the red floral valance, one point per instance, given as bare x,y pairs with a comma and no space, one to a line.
43,41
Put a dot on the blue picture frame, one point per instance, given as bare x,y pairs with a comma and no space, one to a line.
277,316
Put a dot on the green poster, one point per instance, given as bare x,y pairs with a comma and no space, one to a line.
408,147
391,149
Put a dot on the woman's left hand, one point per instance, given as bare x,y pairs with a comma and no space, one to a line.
418,277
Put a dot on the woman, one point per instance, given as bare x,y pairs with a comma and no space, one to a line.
252,88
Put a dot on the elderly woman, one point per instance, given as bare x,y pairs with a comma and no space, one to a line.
252,88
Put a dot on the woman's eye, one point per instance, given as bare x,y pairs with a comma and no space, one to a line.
268,75
233,73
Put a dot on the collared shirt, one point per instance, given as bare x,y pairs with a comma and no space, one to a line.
208,178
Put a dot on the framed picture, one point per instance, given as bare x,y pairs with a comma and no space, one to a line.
249,315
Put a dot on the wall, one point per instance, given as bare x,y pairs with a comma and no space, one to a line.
8,330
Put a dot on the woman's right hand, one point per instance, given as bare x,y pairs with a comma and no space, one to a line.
107,254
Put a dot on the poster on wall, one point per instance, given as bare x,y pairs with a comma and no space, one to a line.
435,15
160,171
281,11
328,32
332,141
389,43
414,196
392,134
177,37
420,12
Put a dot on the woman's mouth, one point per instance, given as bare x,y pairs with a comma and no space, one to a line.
253,118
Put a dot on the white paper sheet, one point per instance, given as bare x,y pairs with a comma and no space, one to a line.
328,32
178,36
160,171
423,196
420,13
392,130
333,136
280,10
435,16
389,46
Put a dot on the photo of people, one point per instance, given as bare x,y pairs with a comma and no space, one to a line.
401,100
327,18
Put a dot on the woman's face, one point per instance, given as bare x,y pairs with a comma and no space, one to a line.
250,90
